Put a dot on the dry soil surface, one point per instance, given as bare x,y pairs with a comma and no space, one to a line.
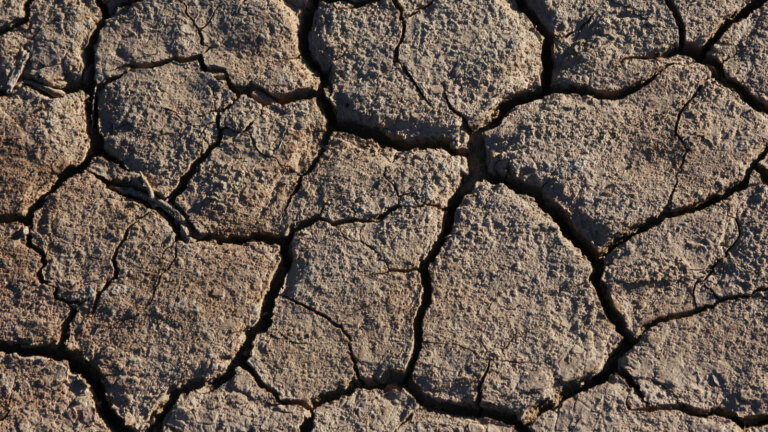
383,215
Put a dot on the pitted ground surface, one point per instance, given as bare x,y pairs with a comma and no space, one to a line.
387,215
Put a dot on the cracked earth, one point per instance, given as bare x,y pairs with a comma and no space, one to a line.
380,215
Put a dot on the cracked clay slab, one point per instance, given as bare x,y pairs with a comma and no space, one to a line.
713,360
613,406
175,313
39,394
29,314
159,121
247,182
238,405
361,281
692,260
743,52
597,42
514,317
78,228
614,164
392,410
703,18
50,47
40,138
256,43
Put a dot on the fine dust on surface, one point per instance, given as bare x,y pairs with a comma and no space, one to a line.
383,215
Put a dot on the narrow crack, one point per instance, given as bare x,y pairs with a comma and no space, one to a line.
681,30
547,47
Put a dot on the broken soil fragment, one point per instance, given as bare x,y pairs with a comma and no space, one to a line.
388,410
513,315
29,314
247,182
614,406
40,138
743,52
598,43
239,404
714,360
176,313
256,43
692,260
40,394
56,36
614,164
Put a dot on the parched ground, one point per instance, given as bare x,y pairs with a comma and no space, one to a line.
383,215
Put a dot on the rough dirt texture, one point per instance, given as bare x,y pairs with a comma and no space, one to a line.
378,215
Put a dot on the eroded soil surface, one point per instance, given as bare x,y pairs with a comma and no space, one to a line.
383,215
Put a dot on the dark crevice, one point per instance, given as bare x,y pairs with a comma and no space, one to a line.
80,367
763,171
20,21
547,47
681,31
698,412
477,171
309,424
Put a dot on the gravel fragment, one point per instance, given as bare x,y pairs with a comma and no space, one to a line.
56,36
513,314
692,260
39,394
29,315
238,405
598,43
389,410
158,121
743,52
714,360
614,164
176,313
245,185
614,406
40,139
